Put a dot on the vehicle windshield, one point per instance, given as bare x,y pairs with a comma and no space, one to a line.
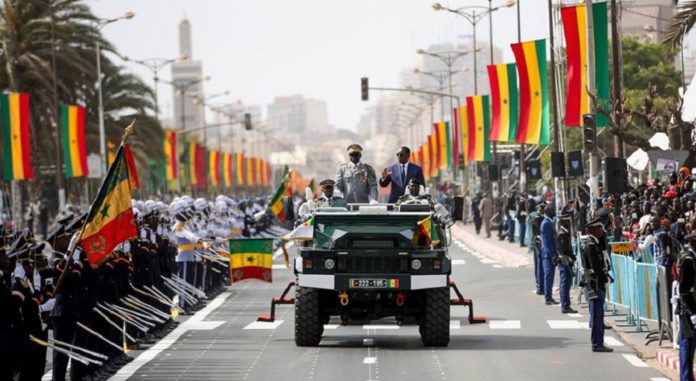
366,232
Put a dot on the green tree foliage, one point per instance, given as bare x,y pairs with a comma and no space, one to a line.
30,31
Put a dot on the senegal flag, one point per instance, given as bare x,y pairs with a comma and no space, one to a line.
251,258
428,229
110,218
276,204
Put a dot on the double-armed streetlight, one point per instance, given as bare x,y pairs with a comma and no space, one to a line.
100,24
155,65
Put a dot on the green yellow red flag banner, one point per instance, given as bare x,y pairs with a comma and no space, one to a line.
251,258
227,169
239,168
575,31
464,142
433,148
171,158
455,138
276,205
110,218
533,125
214,167
429,230
425,160
442,152
503,81
478,107
249,170
16,136
73,134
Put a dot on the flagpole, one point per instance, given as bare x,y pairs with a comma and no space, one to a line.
558,184
594,157
523,150
128,132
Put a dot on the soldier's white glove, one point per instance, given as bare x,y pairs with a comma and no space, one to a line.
674,300
48,306
693,319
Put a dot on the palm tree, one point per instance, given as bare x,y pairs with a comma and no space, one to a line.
680,24
26,48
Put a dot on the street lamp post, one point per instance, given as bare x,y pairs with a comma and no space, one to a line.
102,135
155,65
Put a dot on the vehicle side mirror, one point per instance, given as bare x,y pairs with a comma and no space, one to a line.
457,208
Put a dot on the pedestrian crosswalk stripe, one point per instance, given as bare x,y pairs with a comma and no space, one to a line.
458,262
264,325
487,261
381,326
574,315
564,324
635,361
612,341
504,324
497,266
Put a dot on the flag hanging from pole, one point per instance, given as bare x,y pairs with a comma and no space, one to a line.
433,148
425,160
214,167
455,137
74,153
110,218
16,136
239,168
251,258
503,81
479,127
464,123
276,204
442,153
227,169
533,124
575,31
170,156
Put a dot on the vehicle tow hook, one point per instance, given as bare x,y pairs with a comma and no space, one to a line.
343,298
400,299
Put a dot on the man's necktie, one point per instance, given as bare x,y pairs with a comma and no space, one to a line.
403,173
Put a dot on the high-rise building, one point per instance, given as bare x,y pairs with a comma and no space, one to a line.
187,76
646,18
298,115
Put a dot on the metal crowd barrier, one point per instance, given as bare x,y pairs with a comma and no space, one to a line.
635,289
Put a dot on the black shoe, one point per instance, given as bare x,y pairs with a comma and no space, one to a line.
603,348
551,302
523,245
569,311
540,292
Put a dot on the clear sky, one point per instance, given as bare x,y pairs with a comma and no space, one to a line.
259,49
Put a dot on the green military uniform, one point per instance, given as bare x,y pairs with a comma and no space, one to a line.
357,182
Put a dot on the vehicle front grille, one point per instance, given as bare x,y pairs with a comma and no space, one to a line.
374,265
373,244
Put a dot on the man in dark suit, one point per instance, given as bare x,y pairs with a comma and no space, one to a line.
399,174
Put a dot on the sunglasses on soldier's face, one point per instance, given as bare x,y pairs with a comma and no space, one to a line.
354,154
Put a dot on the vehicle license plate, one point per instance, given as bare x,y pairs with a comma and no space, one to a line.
368,283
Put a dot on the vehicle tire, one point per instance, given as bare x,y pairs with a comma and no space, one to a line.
434,326
308,325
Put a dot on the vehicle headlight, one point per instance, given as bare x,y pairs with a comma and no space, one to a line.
416,264
329,264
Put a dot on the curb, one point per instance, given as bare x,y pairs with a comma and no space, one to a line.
670,359
505,257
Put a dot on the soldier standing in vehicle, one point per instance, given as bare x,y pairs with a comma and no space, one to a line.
327,198
355,179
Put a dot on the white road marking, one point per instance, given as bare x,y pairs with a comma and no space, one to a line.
264,324
369,360
330,326
504,324
659,379
368,342
127,371
635,361
455,324
612,341
564,324
458,262
206,325
574,315
280,267
487,261
497,266
382,326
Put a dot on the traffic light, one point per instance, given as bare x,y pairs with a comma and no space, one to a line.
589,133
247,121
365,88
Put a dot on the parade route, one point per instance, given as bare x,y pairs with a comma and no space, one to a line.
522,339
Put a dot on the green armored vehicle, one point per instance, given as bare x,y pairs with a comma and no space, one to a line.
366,262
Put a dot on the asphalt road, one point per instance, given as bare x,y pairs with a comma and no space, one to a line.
523,340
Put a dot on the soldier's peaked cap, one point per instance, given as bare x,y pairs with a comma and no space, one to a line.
327,182
354,148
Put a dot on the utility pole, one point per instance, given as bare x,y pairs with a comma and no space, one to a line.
558,184
593,155
618,75
523,150
56,118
